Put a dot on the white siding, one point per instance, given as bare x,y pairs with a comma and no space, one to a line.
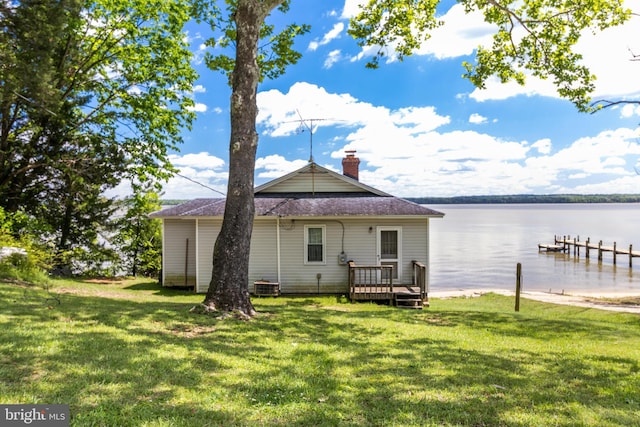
312,182
359,246
180,249
208,230
263,257
358,242
300,278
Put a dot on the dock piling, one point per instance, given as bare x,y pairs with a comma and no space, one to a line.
600,251
518,285
564,244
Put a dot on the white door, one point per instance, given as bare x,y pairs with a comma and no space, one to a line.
389,249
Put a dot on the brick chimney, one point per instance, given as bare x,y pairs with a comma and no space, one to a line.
350,164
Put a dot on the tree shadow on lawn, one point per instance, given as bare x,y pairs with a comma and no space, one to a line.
154,285
123,362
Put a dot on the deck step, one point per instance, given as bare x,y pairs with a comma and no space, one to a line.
408,301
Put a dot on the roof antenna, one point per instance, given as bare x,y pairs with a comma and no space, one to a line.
308,123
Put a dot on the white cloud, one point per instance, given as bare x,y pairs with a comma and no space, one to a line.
477,119
199,89
351,8
408,151
200,160
608,55
629,110
279,112
199,52
276,166
404,152
495,90
200,175
543,146
333,57
460,34
328,37
198,107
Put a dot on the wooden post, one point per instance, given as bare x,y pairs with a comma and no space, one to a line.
587,247
614,253
630,256
600,250
575,246
518,285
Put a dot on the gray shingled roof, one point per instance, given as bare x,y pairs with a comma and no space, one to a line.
307,206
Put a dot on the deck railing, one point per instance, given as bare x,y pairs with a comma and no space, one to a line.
370,282
420,278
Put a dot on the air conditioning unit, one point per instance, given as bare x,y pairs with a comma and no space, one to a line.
266,288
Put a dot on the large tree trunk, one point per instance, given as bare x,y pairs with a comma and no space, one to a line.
228,290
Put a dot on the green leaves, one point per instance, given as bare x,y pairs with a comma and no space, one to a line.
139,237
92,92
539,36
532,36
275,52
398,25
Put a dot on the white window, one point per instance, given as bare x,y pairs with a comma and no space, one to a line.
315,244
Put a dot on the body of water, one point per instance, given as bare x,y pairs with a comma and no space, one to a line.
479,246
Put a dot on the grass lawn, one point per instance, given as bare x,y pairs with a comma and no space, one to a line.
131,354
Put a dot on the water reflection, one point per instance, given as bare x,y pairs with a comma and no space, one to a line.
476,246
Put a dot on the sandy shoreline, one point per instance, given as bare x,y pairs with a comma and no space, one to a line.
574,297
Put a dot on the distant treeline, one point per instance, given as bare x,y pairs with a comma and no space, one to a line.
529,198
518,198
172,202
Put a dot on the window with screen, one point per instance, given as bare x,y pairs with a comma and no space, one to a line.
315,244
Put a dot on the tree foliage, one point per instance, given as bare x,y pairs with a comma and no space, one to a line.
138,237
536,36
275,51
92,92
32,259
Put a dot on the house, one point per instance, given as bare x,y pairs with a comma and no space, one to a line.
315,232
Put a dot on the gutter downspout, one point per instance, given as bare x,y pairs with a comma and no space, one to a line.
164,252
197,251
278,249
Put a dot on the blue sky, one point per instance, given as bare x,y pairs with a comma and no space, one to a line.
419,128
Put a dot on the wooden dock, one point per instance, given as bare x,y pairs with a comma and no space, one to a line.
567,244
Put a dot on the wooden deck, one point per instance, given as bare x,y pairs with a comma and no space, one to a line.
375,283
